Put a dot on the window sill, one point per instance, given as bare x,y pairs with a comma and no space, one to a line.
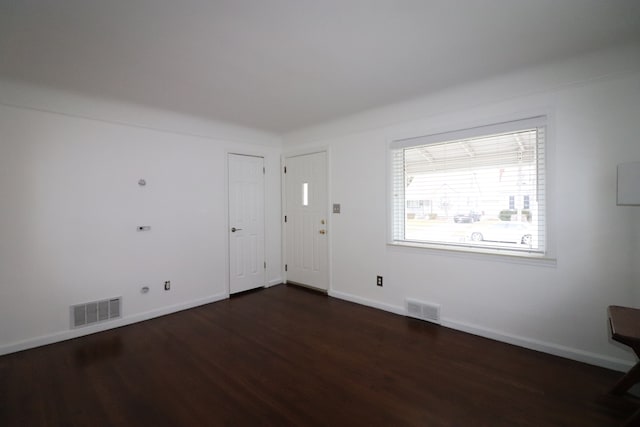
484,254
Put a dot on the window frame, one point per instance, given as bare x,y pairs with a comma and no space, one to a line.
479,129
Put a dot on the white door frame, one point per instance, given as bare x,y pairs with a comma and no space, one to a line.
228,224
296,153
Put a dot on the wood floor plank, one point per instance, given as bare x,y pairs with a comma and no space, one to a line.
287,356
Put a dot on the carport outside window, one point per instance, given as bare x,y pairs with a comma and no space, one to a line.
474,189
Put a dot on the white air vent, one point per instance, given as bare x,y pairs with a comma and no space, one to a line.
95,312
423,310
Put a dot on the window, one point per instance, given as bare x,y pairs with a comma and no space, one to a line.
485,187
305,194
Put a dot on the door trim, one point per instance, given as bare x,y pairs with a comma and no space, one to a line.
248,153
303,152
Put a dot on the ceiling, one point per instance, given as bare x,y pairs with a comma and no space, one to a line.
280,65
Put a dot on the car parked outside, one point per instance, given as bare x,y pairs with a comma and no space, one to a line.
504,231
470,216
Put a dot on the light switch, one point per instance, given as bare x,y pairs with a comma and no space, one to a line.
336,208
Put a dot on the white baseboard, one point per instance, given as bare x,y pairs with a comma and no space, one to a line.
274,282
127,320
371,303
542,346
530,343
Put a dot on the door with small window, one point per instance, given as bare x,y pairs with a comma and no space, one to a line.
305,228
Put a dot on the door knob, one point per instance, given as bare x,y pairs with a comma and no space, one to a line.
322,232
233,229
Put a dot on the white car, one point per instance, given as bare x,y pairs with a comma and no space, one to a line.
504,231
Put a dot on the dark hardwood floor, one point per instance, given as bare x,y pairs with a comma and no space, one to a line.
289,356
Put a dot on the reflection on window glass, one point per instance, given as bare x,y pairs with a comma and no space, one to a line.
305,194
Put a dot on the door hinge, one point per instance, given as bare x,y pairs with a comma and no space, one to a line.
285,169
285,267
265,265
285,218
264,170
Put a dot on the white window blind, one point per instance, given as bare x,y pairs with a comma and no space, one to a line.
481,189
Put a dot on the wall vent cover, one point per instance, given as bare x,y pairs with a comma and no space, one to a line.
423,310
95,312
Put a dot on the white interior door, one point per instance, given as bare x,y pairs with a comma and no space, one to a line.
246,222
306,220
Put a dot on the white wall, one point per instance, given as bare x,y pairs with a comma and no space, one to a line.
559,307
70,204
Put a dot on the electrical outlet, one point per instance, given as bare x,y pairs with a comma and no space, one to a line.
167,285
379,281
